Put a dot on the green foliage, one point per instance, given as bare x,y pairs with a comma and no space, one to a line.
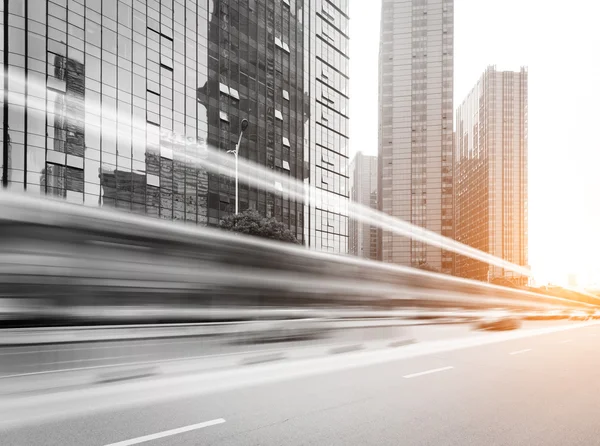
503,281
427,267
252,223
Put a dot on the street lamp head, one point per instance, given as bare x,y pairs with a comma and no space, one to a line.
244,124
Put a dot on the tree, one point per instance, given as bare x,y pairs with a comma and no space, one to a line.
252,223
427,267
503,281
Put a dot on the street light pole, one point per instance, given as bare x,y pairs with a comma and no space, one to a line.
244,126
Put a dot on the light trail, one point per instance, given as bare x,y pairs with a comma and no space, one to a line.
262,177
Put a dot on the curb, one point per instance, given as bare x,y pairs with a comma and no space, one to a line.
401,343
132,372
126,374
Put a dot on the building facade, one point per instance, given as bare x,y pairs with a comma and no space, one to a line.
415,126
363,190
114,102
326,133
491,174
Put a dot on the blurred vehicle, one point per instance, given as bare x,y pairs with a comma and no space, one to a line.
499,321
536,316
547,315
578,315
559,314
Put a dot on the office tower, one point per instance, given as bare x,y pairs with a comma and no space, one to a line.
113,103
363,190
491,174
255,71
415,126
326,68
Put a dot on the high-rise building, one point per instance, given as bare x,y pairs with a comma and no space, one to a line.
415,126
326,66
108,101
491,174
363,190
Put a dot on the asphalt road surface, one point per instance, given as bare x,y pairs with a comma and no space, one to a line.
532,390
25,360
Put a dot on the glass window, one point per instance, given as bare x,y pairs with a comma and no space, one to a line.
124,80
109,8
37,46
109,40
38,13
109,74
124,47
92,67
125,14
57,24
16,40
36,122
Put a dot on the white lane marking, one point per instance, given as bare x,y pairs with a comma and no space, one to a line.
518,352
23,411
566,341
168,433
427,372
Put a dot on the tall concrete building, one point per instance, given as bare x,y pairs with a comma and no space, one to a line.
491,174
106,101
363,190
415,126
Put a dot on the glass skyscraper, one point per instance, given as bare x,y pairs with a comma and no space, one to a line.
106,103
491,174
415,126
326,134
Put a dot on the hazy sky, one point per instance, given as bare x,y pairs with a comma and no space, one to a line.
560,44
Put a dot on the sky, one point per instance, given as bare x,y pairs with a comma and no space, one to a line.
559,42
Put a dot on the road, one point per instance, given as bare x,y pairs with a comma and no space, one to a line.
68,356
539,389
15,360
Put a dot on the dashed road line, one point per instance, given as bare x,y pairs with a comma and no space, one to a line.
168,433
427,372
518,352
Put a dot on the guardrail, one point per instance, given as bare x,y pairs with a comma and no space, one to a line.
304,322
58,335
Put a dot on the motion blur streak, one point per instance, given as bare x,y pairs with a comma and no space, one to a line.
254,174
64,263
268,179
58,261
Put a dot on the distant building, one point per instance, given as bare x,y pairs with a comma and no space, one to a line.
416,81
490,174
572,280
363,190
